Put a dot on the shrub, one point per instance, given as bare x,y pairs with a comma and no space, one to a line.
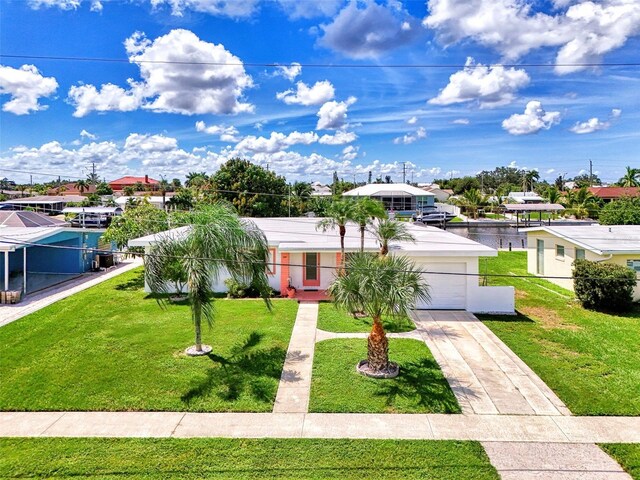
625,211
237,289
603,286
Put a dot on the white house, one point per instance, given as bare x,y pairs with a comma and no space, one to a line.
525,197
155,200
307,259
551,250
442,195
395,196
320,190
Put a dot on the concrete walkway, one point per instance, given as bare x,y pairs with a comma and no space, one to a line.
37,301
485,375
295,382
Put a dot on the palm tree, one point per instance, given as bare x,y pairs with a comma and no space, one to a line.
552,195
196,179
339,213
528,180
163,187
388,230
218,240
630,178
473,199
82,186
129,191
581,201
379,286
364,212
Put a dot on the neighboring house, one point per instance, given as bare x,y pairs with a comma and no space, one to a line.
320,190
70,189
32,258
23,218
552,250
155,200
307,259
99,217
609,194
52,204
148,183
525,197
395,196
442,195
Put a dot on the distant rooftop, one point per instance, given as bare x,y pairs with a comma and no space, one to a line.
614,192
601,239
130,180
23,218
388,190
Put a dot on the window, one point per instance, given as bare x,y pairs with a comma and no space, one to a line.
634,265
271,262
560,252
580,254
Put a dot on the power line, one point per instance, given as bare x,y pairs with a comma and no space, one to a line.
316,65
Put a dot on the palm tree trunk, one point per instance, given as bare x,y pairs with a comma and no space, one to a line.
384,249
343,232
378,347
197,320
362,238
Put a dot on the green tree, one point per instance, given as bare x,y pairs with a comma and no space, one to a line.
379,286
388,230
136,221
129,191
339,213
253,190
365,211
103,188
182,200
552,195
319,205
630,178
586,180
163,188
82,186
582,203
528,179
217,241
625,211
472,200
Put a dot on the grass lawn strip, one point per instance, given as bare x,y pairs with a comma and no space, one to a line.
627,455
590,359
337,387
331,319
243,459
112,348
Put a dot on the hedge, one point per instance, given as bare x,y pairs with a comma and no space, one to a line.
603,286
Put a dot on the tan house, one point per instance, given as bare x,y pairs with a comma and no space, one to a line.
552,250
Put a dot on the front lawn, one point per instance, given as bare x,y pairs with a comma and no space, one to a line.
590,359
627,455
112,348
331,319
337,387
243,459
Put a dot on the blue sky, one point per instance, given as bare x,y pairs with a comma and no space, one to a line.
191,89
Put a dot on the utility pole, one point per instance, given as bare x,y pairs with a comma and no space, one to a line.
590,173
289,200
404,172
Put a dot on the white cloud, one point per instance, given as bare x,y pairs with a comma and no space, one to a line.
531,121
96,6
226,134
290,72
213,82
222,8
584,33
616,112
61,4
411,137
370,31
88,135
412,120
296,9
350,153
320,93
150,143
491,86
26,86
590,126
275,142
550,171
333,115
340,138
461,121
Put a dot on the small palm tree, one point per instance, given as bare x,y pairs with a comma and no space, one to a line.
552,195
387,230
82,186
630,178
339,213
379,286
163,187
473,199
364,212
217,240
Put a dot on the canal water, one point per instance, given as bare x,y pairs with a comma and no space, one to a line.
498,237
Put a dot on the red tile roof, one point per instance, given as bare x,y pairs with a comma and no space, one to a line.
129,180
615,192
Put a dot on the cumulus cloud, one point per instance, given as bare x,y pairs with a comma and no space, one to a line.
88,135
96,6
340,138
333,115
289,72
61,4
490,86
410,138
534,119
226,134
276,142
222,8
26,86
412,120
592,125
616,112
370,31
150,143
320,93
583,33
213,83
350,152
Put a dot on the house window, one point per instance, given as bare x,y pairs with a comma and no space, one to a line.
271,262
580,254
560,252
634,265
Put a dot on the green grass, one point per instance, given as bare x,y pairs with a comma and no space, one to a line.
456,220
337,387
243,459
627,455
112,348
590,359
331,319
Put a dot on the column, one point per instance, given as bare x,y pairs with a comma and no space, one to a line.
284,273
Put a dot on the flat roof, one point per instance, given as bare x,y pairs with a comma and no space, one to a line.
299,234
533,207
13,238
388,189
600,239
92,210
46,199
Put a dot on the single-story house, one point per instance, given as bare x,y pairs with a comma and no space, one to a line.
551,250
71,189
395,196
320,190
442,195
525,197
608,194
92,216
155,200
307,259
33,258
51,204
129,181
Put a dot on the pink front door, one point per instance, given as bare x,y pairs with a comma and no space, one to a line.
311,270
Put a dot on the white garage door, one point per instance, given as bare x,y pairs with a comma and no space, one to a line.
447,291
